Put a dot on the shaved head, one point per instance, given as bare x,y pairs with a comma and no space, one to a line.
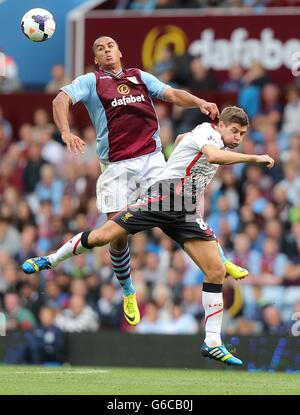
98,40
107,54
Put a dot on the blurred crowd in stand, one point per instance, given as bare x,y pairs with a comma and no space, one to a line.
47,195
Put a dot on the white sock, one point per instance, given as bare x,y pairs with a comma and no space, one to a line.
69,249
213,306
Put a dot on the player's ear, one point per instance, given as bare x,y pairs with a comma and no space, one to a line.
95,60
121,56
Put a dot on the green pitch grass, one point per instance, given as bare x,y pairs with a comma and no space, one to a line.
38,380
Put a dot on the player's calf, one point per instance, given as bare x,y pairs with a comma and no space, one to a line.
109,232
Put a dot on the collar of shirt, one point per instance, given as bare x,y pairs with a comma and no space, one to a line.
116,75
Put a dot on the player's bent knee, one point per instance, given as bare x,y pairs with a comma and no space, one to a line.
217,274
100,237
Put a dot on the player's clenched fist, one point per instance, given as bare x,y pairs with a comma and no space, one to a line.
265,159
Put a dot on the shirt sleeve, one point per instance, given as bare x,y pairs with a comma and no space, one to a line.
154,85
80,88
202,136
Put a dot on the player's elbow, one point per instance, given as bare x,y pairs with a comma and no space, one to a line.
211,157
171,95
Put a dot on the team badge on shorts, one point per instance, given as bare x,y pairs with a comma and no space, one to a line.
127,216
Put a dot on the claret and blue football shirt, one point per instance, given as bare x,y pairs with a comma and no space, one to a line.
121,109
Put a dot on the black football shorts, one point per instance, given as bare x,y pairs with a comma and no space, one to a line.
164,209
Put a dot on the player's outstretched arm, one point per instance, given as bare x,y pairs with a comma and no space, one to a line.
61,107
185,99
216,156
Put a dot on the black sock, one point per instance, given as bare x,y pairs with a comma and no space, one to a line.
211,288
84,240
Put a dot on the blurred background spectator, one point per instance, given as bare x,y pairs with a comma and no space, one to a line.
58,79
9,76
78,317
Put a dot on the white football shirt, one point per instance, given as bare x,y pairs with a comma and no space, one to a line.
187,162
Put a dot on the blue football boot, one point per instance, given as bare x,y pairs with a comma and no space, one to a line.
221,354
32,265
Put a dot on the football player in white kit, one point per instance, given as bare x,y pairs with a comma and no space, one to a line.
171,205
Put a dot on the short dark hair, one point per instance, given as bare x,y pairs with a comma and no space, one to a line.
99,37
234,114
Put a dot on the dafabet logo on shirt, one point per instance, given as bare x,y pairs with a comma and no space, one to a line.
123,89
127,100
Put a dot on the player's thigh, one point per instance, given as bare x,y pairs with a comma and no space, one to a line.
207,256
135,220
151,171
199,241
115,188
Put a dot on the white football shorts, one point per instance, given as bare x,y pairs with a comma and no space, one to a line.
123,182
